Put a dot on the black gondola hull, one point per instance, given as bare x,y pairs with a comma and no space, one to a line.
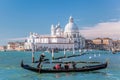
82,69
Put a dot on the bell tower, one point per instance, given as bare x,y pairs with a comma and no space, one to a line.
52,30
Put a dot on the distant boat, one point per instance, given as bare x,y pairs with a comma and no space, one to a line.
90,57
94,55
80,50
113,51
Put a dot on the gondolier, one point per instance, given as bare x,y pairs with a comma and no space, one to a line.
40,60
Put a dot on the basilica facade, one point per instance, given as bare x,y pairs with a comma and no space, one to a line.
67,38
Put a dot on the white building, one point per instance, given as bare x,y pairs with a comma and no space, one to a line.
68,38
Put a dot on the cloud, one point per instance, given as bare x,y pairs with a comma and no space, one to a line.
114,20
105,29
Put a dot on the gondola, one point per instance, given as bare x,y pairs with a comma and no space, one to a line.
81,69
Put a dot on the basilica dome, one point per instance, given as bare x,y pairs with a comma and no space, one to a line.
71,26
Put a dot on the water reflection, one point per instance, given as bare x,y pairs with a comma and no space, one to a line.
59,75
81,74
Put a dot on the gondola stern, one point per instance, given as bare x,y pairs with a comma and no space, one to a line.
22,64
107,62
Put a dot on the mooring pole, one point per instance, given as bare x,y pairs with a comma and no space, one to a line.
73,49
52,54
33,50
33,59
64,53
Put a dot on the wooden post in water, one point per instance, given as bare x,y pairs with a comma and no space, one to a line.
80,51
33,59
73,50
33,51
52,54
64,53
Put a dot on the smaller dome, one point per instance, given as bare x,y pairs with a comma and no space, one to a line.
58,28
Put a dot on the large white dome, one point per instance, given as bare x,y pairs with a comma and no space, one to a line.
71,26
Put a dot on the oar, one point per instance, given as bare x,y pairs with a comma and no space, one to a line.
44,60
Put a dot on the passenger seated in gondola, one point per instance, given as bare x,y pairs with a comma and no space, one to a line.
66,66
41,59
74,65
57,66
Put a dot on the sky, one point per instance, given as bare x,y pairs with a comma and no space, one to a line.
95,18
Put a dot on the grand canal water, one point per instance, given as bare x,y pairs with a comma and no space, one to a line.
10,67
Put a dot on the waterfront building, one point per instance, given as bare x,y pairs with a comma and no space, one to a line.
103,43
116,45
107,41
89,44
16,46
97,41
68,38
3,48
